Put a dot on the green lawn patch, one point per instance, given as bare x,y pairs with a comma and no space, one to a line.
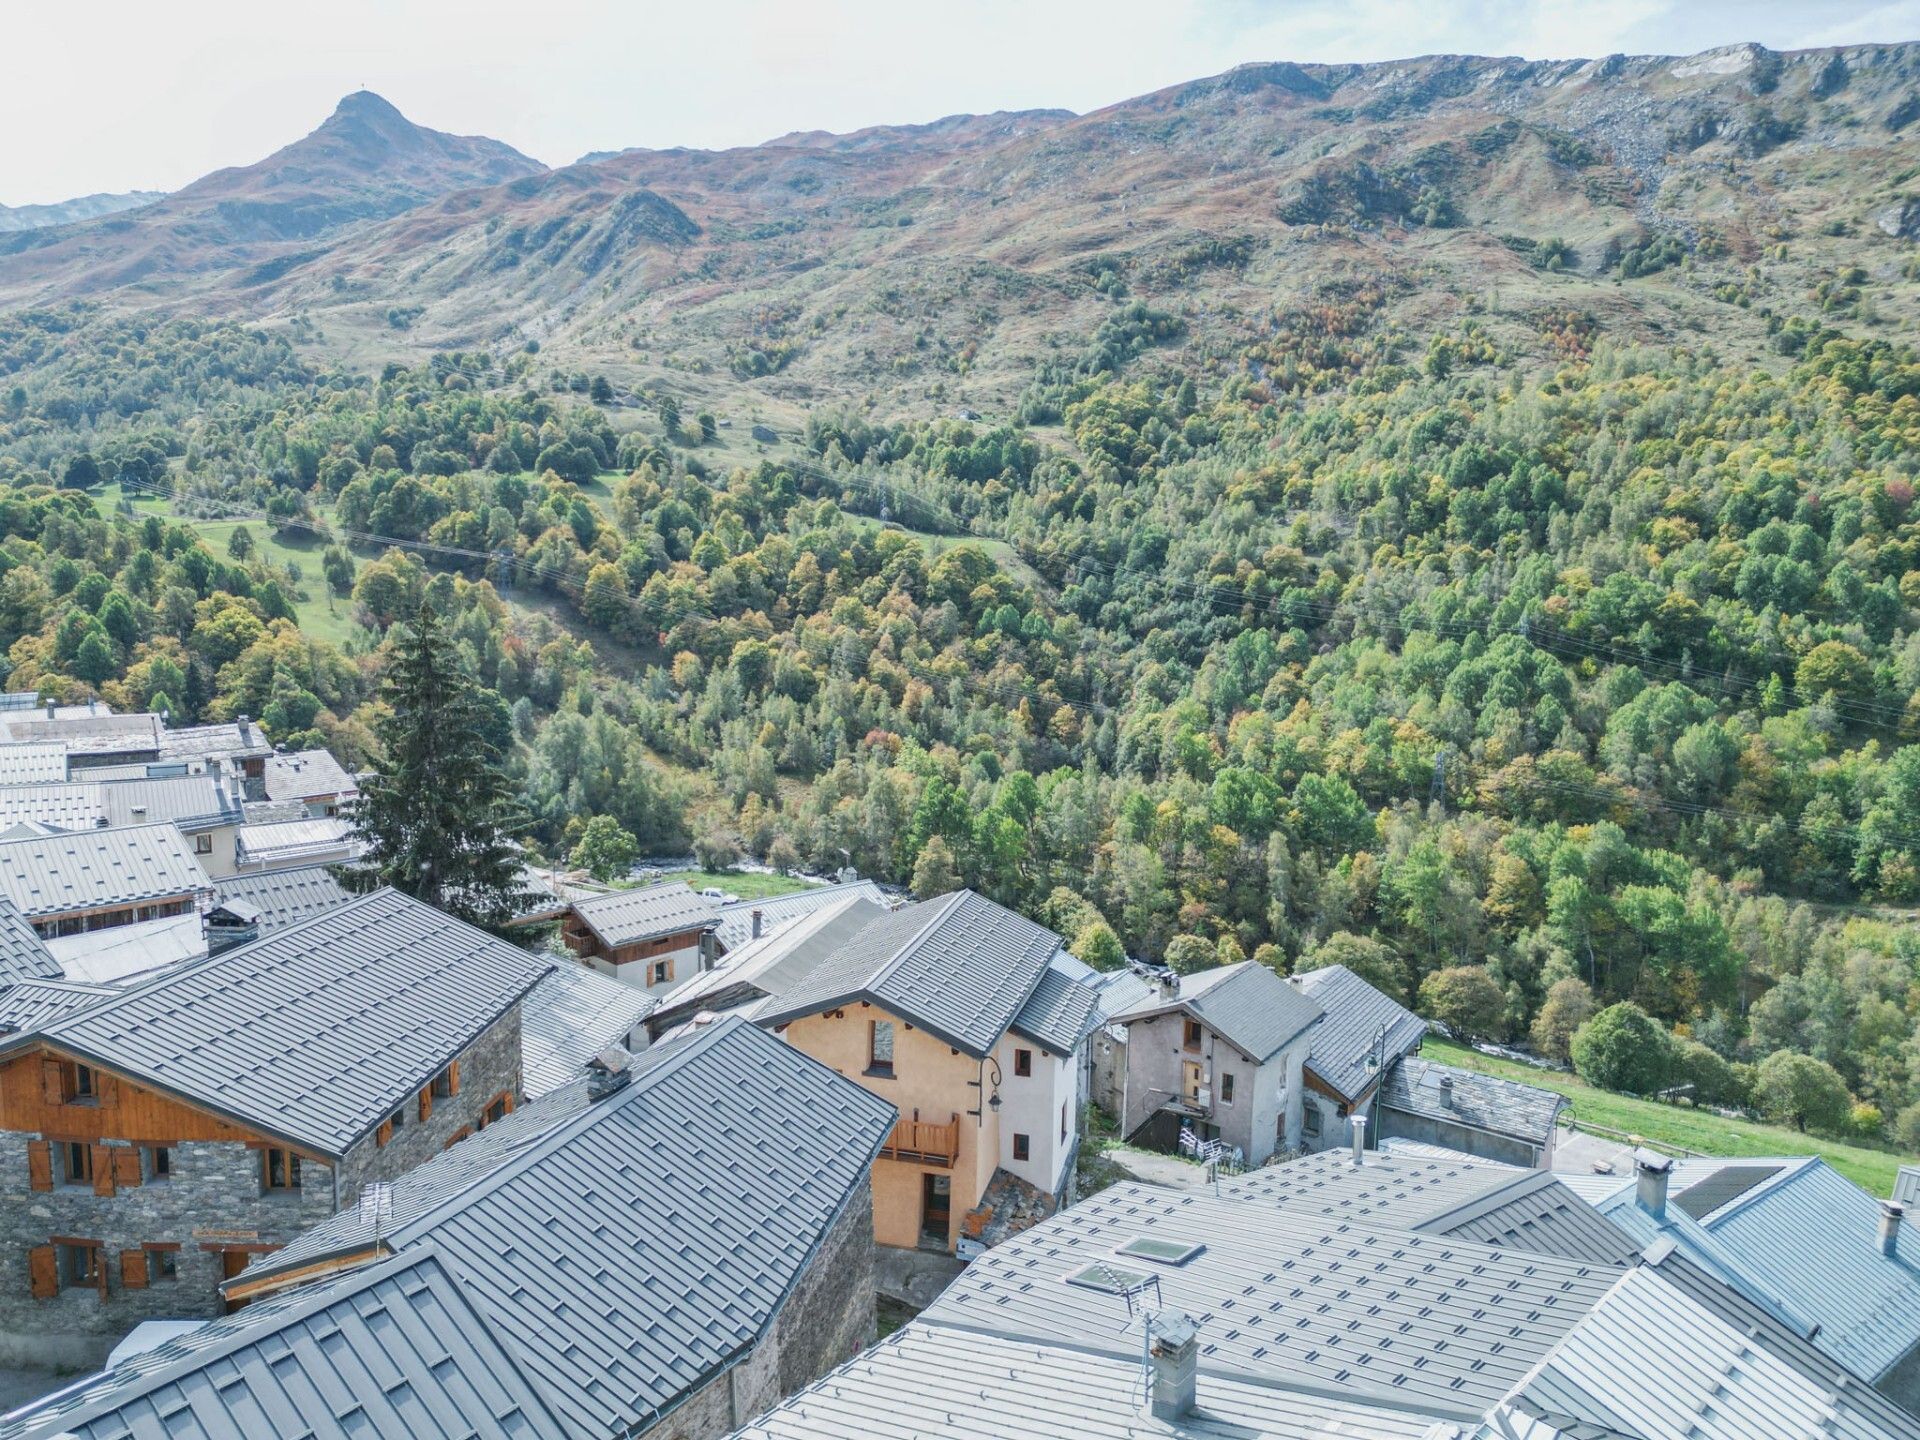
1680,1125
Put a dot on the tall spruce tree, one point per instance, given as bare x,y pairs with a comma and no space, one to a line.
439,821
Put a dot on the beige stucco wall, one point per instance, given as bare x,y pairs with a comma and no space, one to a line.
930,1077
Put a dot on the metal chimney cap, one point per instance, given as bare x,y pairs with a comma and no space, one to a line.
1653,1161
1174,1332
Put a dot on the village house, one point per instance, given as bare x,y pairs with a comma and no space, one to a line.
312,779
1464,1110
245,907
952,1011
654,937
154,1139
1362,1034
68,883
659,1251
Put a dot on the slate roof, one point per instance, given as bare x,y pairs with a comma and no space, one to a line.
1059,1014
31,1003
1315,1304
193,802
960,967
930,1382
282,897
1650,1361
307,774
625,917
625,1252
238,738
47,875
23,954
570,1017
316,1033
33,762
1485,1102
1248,1005
1355,1013
397,1351
735,926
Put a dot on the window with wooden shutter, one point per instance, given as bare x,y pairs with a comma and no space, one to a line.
384,1133
453,1078
426,1103
39,1165
53,1082
126,1166
44,1272
102,1170
133,1269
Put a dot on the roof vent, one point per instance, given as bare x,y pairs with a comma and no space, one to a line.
756,925
1173,1352
1359,1141
1891,1213
1652,1173
607,1072
1446,1091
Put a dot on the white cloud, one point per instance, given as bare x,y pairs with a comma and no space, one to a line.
123,95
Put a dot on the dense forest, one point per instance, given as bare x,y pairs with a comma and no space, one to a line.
1536,687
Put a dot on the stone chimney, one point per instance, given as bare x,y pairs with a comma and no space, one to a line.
1174,1354
1891,1213
1651,1172
241,726
756,925
1359,1141
607,1073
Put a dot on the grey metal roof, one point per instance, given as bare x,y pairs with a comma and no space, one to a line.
1247,1004
65,804
307,775
930,1382
193,802
397,1351
23,954
1384,1190
1906,1185
1355,1014
1059,1014
778,911
570,1017
315,1033
31,1003
960,967
318,836
1650,1361
1485,1102
33,762
1533,1211
46,875
624,917
623,1254
283,897
1726,1184
1315,1304
772,964
124,952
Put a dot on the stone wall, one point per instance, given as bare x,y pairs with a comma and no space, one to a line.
828,1318
1509,1150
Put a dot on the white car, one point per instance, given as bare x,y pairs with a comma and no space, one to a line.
714,892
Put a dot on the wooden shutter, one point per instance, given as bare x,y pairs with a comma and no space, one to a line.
39,1165
102,1170
103,1087
384,1133
426,1102
453,1078
53,1082
126,1166
44,1271
133,1269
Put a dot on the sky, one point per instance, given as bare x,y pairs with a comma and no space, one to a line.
115,95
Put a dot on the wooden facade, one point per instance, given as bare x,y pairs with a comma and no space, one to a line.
38,1096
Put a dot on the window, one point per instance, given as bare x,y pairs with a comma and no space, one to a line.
279,1171
880,1047
85,1091
1161,1252
1107,1277
203,844
1310,1120
79,1262
1023,1062
499,1109
159,1163
1022,1148
1063,1124
1226,1089
76,1162
1190,1036
660,972
163,1264
445,1086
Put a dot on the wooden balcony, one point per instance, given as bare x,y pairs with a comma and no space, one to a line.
924,1142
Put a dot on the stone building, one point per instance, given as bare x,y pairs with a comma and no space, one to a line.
1363,1034
153,1140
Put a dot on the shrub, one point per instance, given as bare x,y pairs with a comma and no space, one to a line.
1465,999
1622,1048
1803,1091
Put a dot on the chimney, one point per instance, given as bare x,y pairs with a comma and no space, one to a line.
1446,1091
50,709
1359,1140
1891,1212
756,925
1168,986
708,950
241,726
607,1073
1652,1172
1173,1351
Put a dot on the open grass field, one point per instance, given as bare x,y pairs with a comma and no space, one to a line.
1680,1125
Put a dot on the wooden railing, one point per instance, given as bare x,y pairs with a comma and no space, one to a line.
924,1142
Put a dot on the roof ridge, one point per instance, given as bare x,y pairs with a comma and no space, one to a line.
946,905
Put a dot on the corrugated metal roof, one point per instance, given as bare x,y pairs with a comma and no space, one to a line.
779,911
395,1352
570,1017
1355,1014
622,917
624,1253
318,1032
959,966
47,875
307,775
23,954
1247,1004
1650,1361
33,762
1384,1190
1439,1324
1533,1211
32,1003
283,897
929,1382
1059,1014
120,954
1504,1107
